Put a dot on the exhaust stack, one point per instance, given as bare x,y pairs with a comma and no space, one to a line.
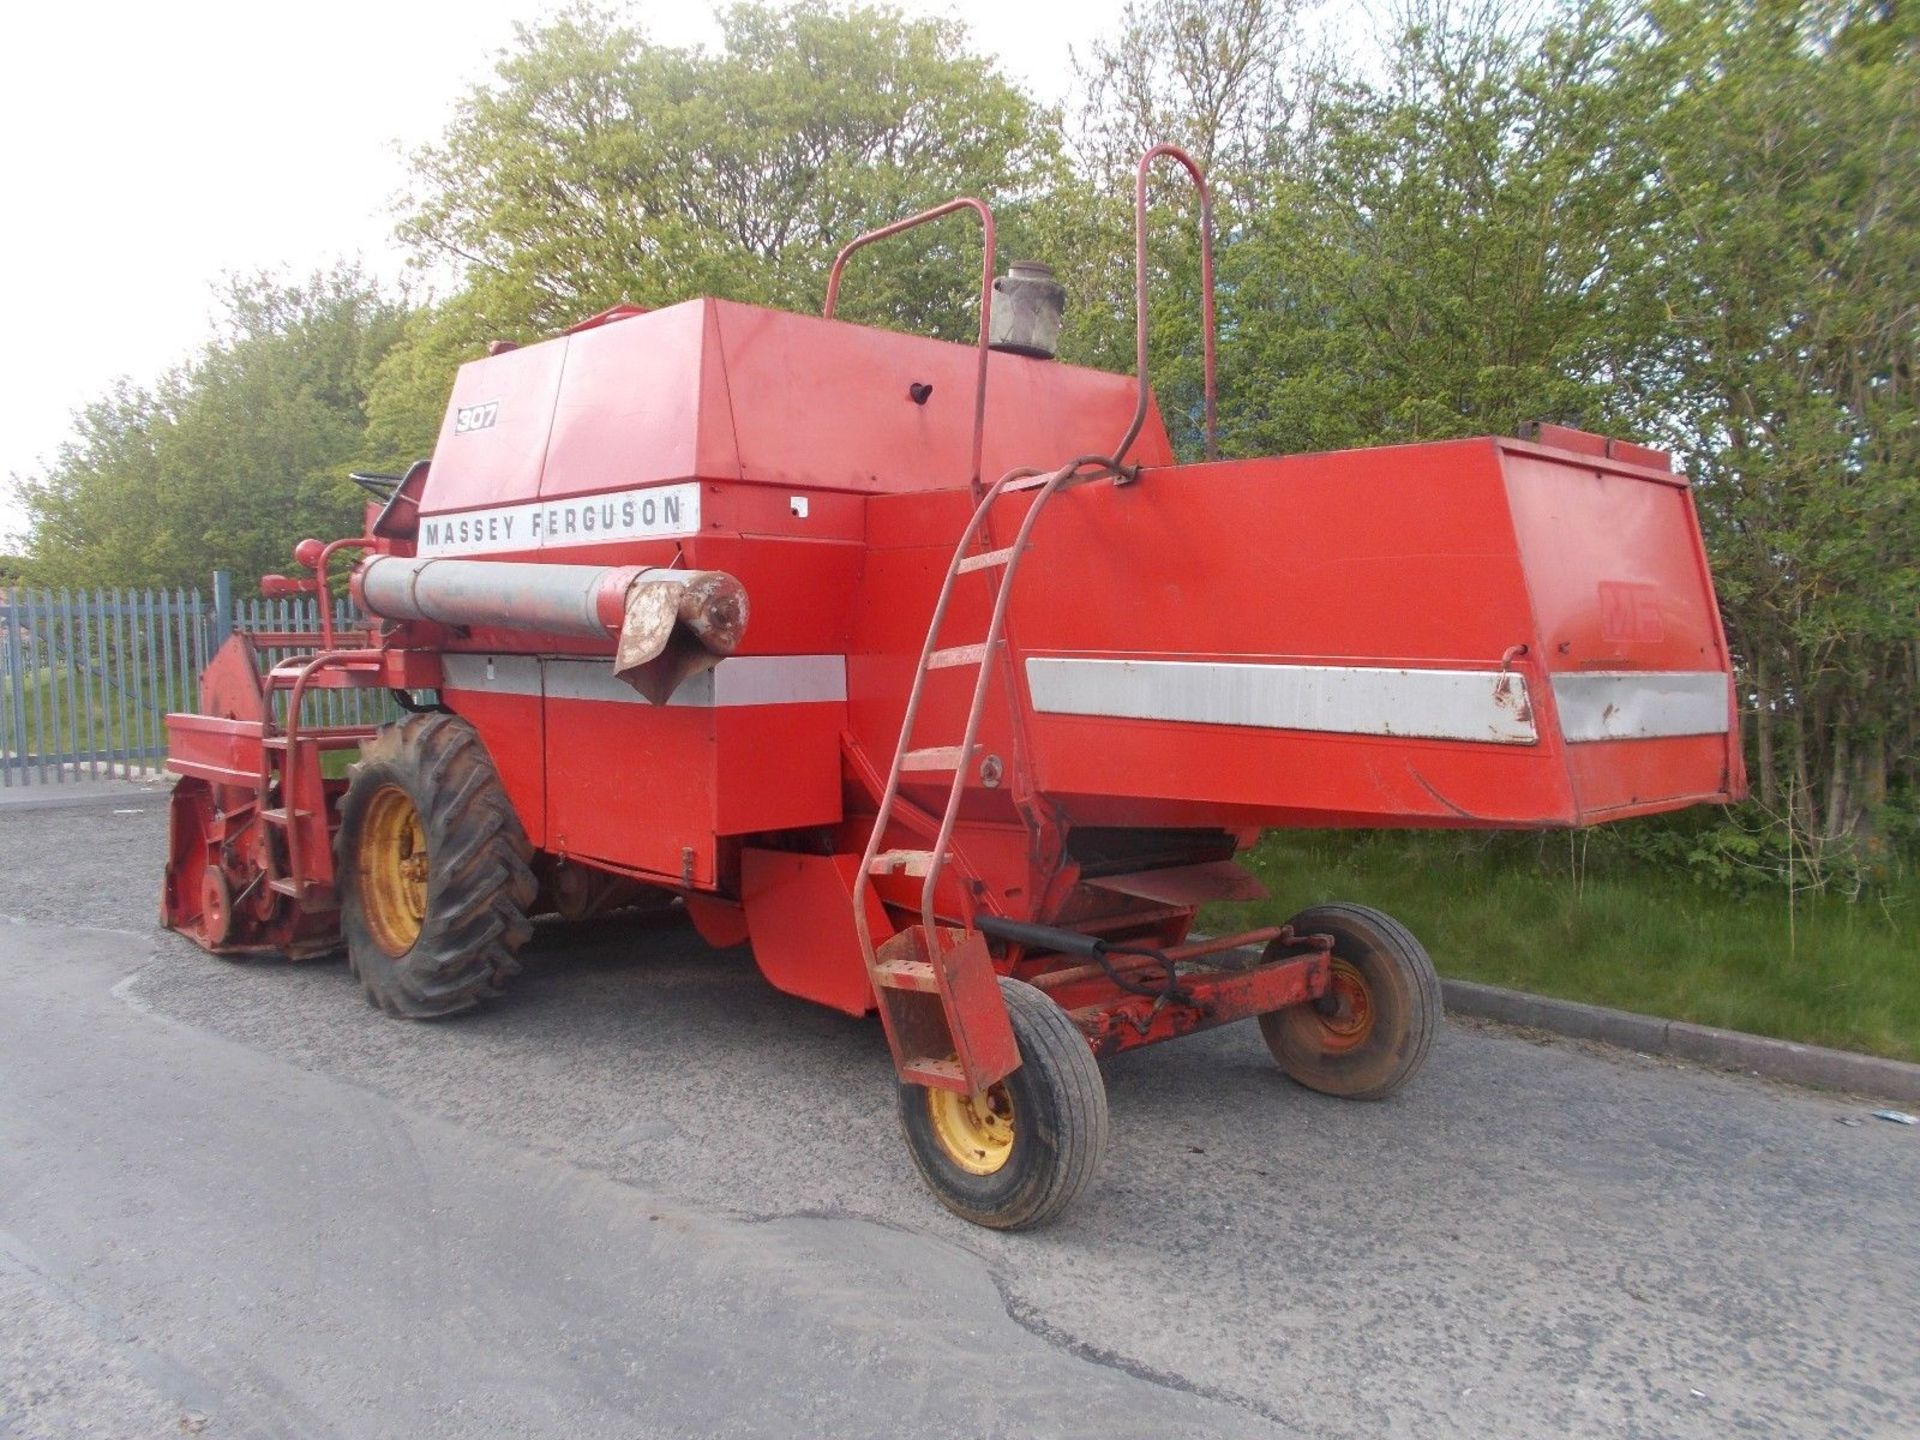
1028,305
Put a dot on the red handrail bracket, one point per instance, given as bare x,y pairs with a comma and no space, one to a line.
1171,152
979,207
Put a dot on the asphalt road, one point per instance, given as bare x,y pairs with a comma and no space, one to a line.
646,1195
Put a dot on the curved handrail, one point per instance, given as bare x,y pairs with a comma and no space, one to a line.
323,596
979,207
291,732
1171,152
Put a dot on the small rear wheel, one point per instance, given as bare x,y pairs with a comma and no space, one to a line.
432,868
1022,1152
1370,1034
216,907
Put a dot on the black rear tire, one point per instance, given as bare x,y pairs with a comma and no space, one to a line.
1372,1033
1055,1105
472,916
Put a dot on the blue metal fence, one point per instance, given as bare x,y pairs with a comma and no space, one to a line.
87,676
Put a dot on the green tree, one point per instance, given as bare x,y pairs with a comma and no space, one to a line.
1448,249
228,460
597,166
1787,199
1218,78
407,396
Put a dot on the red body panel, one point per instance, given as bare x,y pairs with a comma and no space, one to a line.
1617,575
516,738
493,464
1476,556
643,400
800,916
736,394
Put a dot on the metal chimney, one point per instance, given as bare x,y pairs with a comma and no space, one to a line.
1027,307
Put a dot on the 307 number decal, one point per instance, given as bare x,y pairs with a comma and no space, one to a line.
475,417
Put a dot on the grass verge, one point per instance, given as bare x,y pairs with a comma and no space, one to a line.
1509,912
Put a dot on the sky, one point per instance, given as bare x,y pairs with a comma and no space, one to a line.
152,148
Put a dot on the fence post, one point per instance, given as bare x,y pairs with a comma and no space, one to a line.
16,680
222,607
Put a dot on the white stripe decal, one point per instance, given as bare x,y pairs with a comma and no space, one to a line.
1640,704
1479,705
780,680
653,512
492,674
737,680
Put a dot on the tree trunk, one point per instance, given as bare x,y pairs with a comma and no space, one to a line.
1839,823
1763,723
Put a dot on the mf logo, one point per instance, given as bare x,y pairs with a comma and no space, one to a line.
1630,613
475,417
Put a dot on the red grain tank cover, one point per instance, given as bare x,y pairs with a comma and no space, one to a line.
1473,633
732,393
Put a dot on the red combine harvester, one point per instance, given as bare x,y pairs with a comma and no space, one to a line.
985,744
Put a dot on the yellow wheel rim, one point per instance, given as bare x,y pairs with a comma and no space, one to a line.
975,1131
392,866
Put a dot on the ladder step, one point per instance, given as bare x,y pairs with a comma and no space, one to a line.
282,816
907,975
290,669
935,757
901,862
321,740
939,1074
308,903
986,560
957,655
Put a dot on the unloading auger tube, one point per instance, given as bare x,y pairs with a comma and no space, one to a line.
669,624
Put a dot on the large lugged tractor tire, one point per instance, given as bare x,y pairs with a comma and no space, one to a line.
1021,1153
433,870
1370,1034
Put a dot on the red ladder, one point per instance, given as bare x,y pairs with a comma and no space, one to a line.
290,764
937,991
939,998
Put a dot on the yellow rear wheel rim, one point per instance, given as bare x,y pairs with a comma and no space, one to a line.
393,870
974,1131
